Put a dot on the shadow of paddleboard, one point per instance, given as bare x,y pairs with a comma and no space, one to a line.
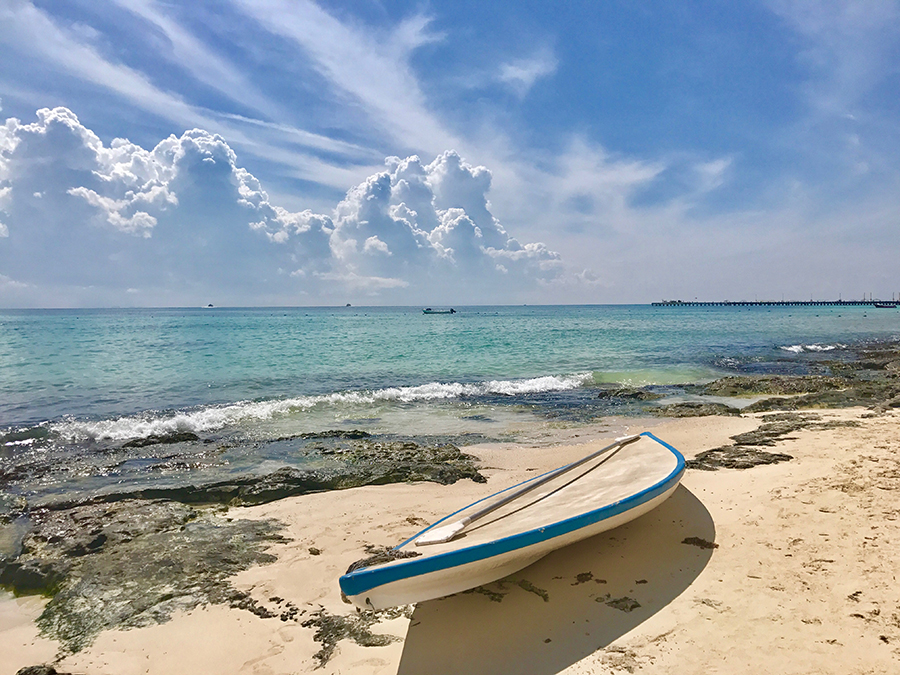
567,605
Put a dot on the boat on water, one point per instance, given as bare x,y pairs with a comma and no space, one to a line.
886,305
428,310
509,530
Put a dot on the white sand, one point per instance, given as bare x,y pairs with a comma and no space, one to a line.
803,579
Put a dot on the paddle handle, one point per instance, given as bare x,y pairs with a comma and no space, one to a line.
439,535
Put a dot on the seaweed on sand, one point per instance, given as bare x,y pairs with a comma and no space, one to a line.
332,628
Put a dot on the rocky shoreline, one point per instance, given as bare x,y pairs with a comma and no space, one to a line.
133,557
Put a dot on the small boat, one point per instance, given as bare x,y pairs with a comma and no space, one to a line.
507,531
428,310
886,305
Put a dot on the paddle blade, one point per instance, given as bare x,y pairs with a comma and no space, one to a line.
439,535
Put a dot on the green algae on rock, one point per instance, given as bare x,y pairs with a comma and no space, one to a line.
695,409
131,564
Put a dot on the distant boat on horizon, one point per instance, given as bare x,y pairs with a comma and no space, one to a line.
886,305
428,310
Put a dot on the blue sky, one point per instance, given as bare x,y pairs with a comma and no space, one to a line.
268,152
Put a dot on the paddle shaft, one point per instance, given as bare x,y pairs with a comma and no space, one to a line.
457,527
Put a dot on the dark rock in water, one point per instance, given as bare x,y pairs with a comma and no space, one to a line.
772,384
872,380
477,418
872,394
629,394
175,437
11,507
33,577
695,409
769,404
12,534
352,434
362,463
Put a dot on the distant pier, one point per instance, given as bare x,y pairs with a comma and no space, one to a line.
772,303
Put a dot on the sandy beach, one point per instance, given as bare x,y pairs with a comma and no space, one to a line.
801,578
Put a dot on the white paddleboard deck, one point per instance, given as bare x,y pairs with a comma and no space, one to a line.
604,493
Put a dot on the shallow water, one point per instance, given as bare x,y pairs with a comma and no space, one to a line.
76,385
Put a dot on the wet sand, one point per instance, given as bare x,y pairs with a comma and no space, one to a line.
787,567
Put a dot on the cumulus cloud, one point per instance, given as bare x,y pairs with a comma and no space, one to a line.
184,217
435,219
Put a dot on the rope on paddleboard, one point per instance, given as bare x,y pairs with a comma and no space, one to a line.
549,494
445,533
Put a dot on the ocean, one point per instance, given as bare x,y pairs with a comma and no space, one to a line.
85,393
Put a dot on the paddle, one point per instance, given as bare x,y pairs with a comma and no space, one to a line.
445,533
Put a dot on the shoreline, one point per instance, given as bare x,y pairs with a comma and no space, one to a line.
801,579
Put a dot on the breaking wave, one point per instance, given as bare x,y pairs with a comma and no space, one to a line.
800,349
212,418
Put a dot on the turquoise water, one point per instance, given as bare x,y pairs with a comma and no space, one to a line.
85,382
96,365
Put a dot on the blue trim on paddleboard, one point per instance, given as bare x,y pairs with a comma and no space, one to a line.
365,579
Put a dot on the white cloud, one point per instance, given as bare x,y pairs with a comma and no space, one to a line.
431,217
35,33
7,283
31,31
850,46
185,215
354,282
370,66
139,222
205,65
521,74
713,174
374,244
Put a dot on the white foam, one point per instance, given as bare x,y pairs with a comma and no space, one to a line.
25,441
799,349
217,417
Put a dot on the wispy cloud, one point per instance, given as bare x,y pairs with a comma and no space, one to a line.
204,65
521,74
851,45
33,32
370,68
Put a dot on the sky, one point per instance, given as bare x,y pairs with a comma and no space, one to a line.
372,152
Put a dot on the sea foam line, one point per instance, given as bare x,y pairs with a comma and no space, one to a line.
799,349
217,417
